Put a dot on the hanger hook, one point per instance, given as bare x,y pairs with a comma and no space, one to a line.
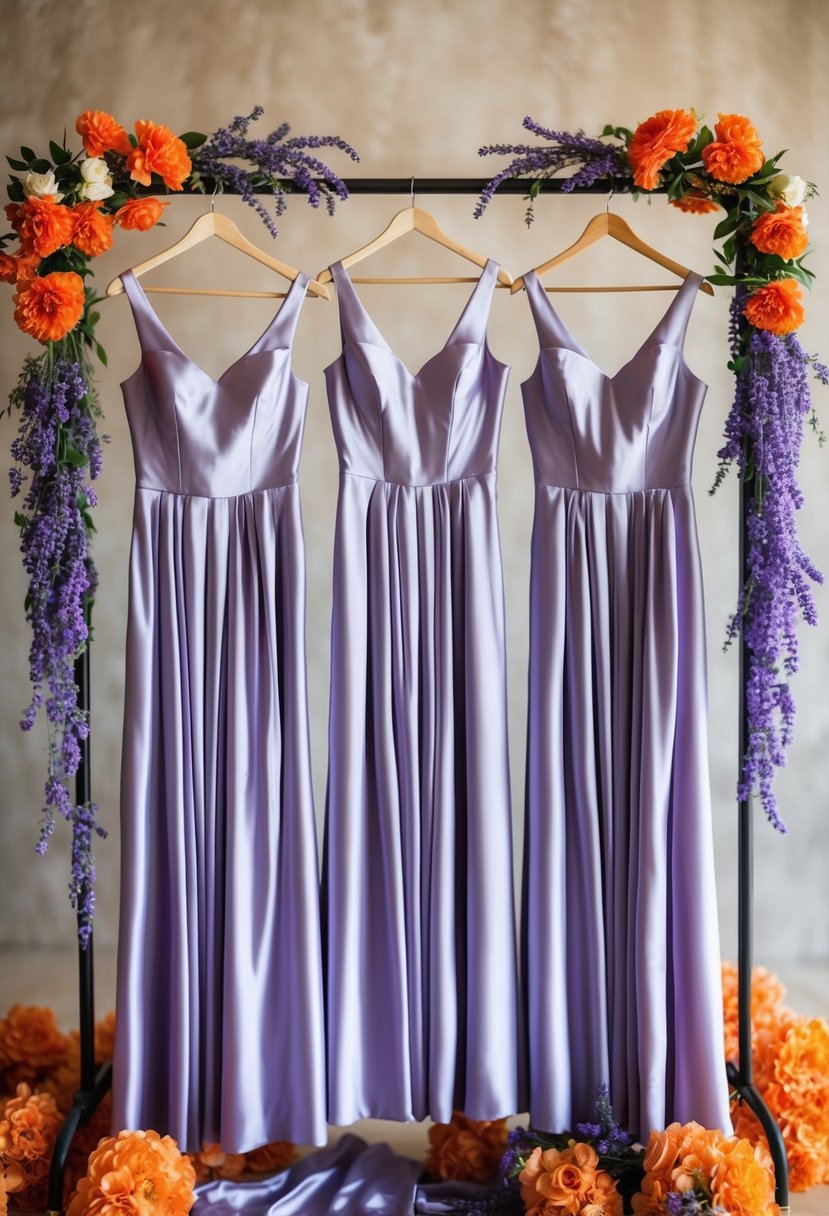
609,201
412,193
217,188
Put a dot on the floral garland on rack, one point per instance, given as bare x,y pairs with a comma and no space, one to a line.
763,230
64,211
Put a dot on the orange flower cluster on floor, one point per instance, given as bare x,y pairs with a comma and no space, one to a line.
656,140
568,1182
466,1150
31,1045
135,1171
790,1056
720,1169
736,154
780,231
776,307
28,1130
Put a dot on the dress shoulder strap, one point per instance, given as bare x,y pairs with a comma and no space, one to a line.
151,333
472,323
674,324
551,331
282,328
355,323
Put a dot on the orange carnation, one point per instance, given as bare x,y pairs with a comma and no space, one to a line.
28,1130
92,233
135,1172
739,1183
49,306
214,1162
11,1180
466,1150
655,141
271,1157
14,267
695,203
767,995
101,133
560,1181
31,1042
42,225
780,231
736,153
140,213
776,307
159,151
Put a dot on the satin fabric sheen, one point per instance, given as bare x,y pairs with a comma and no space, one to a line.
219,991
421,958
620,937
351,1177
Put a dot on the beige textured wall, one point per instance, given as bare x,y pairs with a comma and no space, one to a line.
417,86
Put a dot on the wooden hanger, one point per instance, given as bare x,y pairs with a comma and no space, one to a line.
214,223
608,224
414,219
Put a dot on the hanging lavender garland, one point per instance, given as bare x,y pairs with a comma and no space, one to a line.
58,444
771,404
277,161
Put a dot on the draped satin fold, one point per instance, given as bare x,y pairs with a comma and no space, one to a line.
219,992
421,957
351,1178
619,928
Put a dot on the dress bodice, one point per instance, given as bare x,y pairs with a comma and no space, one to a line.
438,426
612,434
195,435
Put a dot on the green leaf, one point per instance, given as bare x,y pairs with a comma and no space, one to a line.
41,166
801,274
15,191
729,224
93,318
28,155
59,155
535,188
101,353
193,139
761,201
20,520
19,165
74,457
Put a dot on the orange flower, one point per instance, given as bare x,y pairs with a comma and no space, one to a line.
31,1042
28,1130
559,1181
214,1162
135,1172
739,1183
767,995
776,307
695,203
11,1180
271,1157
92,233
49,306
101,133
140,213
781,232
736,153
14,267
466,1150
42,225
655,141
159,151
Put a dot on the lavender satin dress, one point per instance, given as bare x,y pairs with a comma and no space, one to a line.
620,938
219,991
421,959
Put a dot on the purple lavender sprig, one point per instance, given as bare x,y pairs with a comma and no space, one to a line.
57,452
763,435
274,162
604,1133
594,160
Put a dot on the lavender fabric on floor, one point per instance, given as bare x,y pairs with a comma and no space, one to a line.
421,957
219,991
620,939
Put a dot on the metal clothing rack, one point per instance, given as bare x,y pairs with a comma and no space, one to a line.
95,1082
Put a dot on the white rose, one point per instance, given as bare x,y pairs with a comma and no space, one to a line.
94,169
38,185
93,191
804,217
97,179
790,190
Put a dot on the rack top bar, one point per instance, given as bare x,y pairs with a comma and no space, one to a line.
445,185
